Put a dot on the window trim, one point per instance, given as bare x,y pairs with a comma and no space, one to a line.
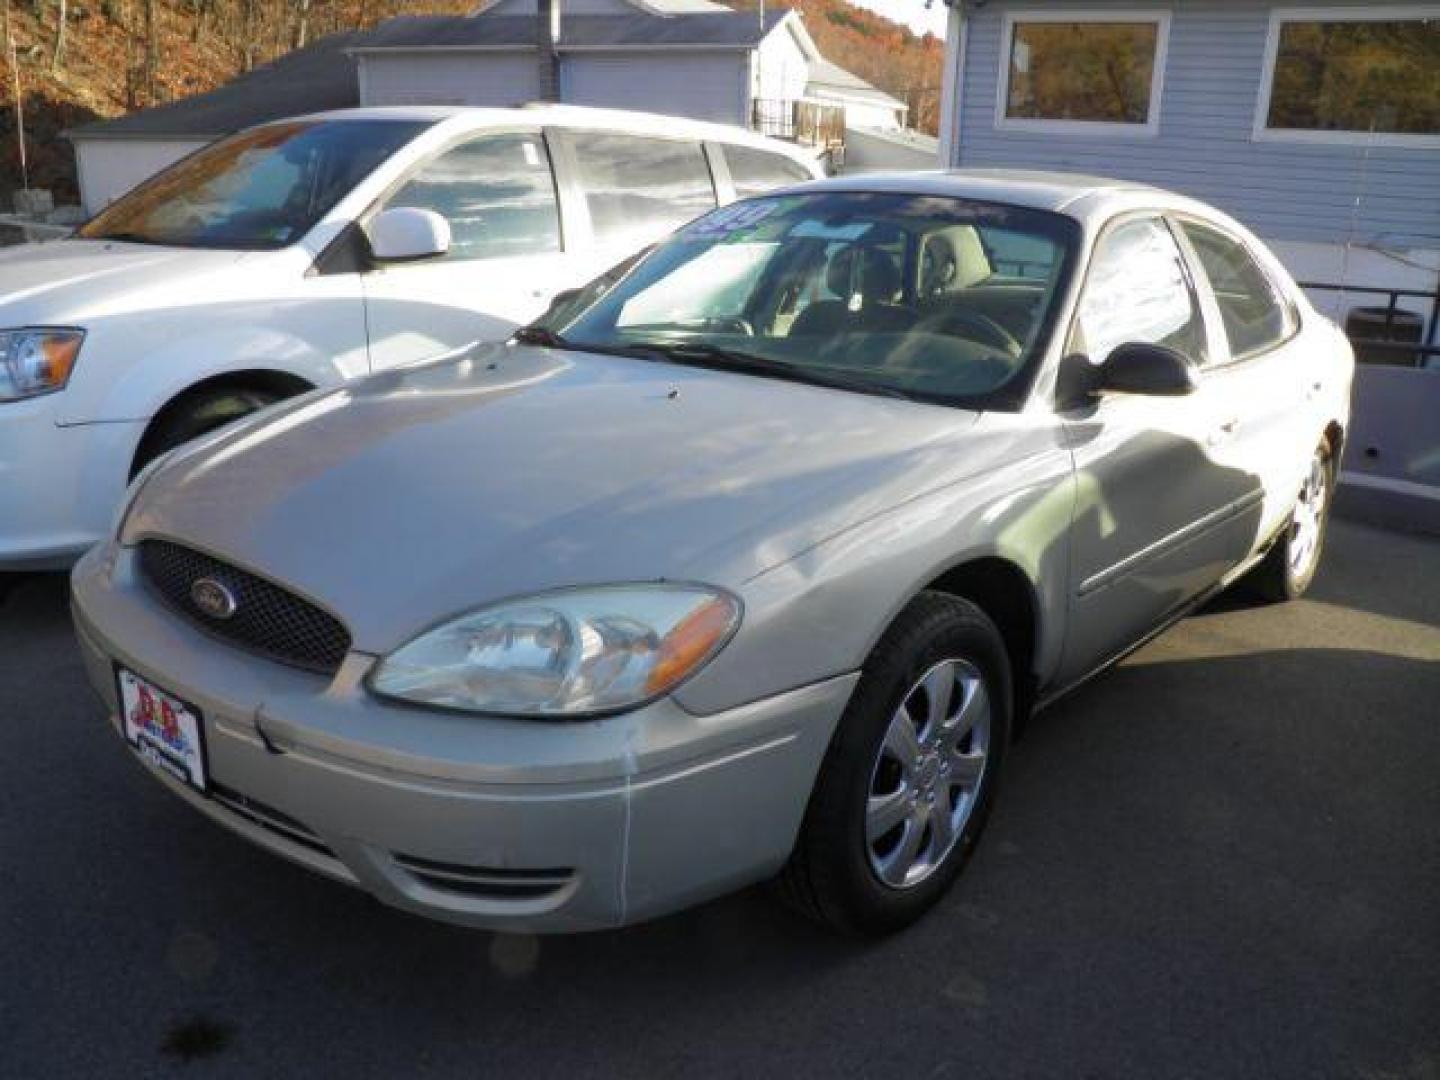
1220,333
1260,131
1105,128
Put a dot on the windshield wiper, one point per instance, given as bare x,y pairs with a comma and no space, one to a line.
539,335
128,238
715,357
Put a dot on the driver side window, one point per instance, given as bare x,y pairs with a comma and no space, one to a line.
1137,291
496,192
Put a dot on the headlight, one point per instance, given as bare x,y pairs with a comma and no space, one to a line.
36,361
571,653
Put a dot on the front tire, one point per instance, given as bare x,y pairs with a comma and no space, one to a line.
909,778
201,414
1290,565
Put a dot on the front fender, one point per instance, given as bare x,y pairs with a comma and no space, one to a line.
131,365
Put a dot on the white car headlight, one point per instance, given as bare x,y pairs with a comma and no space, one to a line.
36,361
576,652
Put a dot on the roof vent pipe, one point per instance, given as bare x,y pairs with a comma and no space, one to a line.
547,37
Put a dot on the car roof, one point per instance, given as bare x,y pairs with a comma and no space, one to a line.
463,117
1075,194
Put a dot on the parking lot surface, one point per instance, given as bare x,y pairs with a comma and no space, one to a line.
1220,859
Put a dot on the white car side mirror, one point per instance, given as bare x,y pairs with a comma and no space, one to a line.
407,233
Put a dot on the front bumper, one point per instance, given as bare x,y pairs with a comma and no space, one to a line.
59,485
506,824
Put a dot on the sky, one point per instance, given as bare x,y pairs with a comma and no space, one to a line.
910,12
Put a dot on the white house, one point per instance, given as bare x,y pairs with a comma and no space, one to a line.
688,58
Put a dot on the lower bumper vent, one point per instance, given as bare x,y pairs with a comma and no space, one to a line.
268,818
486,882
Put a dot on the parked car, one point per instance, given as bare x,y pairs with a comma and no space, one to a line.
751,565
304,252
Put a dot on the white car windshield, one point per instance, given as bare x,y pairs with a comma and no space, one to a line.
924,296
263,188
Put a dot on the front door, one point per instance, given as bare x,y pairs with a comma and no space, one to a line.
1162,510
505,260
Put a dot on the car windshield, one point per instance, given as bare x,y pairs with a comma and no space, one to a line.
930,297
263,188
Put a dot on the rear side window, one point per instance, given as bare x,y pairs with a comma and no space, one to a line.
757,171
638,188
1137,292
497,192
1255,313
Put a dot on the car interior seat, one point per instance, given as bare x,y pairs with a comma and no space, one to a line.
869,285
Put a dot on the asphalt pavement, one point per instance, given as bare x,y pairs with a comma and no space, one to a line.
1221,859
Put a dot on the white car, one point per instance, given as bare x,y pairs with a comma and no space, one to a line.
304,252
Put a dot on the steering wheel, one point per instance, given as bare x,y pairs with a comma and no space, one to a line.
729,324
988,330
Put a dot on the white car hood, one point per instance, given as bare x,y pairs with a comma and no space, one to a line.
67,282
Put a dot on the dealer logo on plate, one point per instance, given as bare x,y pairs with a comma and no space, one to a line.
213,598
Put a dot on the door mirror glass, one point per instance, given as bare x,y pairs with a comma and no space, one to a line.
1145,368
407,233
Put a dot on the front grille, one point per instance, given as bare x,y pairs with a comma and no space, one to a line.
266,618
490,883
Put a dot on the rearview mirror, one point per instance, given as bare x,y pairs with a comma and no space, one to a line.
407,233
1143,368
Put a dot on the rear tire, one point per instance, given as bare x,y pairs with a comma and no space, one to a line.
1290,565
907,783
184,420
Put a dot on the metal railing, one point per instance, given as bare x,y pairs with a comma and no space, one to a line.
806,122
1422,351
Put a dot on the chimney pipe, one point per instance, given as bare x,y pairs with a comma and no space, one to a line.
547,37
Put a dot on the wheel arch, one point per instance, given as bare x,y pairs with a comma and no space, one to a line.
281,384
1002,590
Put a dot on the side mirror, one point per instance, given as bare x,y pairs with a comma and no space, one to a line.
407,233
1140,368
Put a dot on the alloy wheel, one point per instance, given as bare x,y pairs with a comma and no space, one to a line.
927,773
1309,519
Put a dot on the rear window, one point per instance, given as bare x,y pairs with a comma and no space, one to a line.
755,172
638,188
1255,313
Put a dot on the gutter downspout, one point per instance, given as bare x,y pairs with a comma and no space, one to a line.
952,79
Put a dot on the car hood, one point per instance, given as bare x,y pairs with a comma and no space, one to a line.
408,497
66,281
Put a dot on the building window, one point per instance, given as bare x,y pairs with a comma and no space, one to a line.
1083,71
1352,75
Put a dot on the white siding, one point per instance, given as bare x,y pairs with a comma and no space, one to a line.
1382,196
437,78
699,85
108,168
781,69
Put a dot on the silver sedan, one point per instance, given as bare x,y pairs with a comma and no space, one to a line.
745,562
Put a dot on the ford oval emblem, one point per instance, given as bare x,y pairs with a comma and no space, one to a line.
213,598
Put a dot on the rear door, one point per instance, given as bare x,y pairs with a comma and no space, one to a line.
505,261
1163,509
1259,376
